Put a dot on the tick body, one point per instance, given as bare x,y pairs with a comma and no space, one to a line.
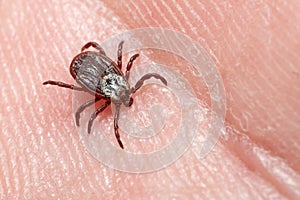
100,76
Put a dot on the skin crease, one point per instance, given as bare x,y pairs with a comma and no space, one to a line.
254,46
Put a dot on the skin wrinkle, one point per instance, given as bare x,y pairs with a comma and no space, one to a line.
257,189
201,18
222,171
4,168
280,173
254,154
185,19
148,10
271,100
230,176
21,162
10,163
197,17
169,14
266,78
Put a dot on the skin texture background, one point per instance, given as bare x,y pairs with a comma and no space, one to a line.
255,46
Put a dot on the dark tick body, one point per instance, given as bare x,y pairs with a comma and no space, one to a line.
100,76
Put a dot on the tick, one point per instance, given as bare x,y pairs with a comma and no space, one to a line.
100,76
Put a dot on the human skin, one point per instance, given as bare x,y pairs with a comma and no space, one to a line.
254,45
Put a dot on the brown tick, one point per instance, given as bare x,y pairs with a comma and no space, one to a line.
100,76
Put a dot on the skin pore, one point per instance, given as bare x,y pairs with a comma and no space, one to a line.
254,46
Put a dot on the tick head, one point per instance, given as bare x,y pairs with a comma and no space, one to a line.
126,98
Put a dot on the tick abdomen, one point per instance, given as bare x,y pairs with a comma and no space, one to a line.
89,69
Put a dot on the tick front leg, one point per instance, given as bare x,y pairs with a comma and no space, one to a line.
116,126
84,106
95,45
129,65
94,115
119,62
140,82
65,85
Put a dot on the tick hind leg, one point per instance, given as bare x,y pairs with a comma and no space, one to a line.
94,115
95,45
65,85
84,106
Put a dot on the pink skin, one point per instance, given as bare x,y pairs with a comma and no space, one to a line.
255,46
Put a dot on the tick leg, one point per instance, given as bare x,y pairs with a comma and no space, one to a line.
65,85
140,82
84,106
94,115
129,65
95,45
119,62
116,126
